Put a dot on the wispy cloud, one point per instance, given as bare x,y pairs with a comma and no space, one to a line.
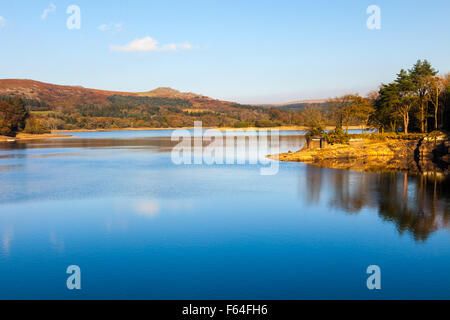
150,44
111,27
51,9
2,22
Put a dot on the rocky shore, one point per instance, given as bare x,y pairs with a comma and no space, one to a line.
426,154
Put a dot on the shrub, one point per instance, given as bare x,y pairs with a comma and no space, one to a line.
241,124
265,124
34,126
337,136
314,131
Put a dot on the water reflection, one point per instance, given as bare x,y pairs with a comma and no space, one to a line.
159,144
148,208
417,204
7,237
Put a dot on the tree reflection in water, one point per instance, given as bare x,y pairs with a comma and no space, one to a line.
418,204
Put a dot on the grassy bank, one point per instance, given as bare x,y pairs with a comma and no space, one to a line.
28,137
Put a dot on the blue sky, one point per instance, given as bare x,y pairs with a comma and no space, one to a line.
248,51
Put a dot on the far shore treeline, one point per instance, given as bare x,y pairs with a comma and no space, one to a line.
417,100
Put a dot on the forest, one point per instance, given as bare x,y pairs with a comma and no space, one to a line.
417,100
137,112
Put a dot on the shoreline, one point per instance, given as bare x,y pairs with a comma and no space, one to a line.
30,137
422,155
281,128
71,133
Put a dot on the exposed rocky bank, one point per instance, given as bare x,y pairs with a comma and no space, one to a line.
426,155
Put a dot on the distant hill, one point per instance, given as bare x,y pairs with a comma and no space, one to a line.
302,102
299,105
165,92
59,95
61,107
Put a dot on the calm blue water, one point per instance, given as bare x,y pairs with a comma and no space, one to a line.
141,227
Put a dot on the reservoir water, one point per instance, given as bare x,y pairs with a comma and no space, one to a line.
141,227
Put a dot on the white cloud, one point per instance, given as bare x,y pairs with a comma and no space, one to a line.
144,44
2,22
111,27
150,44
51,9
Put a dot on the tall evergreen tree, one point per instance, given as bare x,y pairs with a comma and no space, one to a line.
422,74
405,98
